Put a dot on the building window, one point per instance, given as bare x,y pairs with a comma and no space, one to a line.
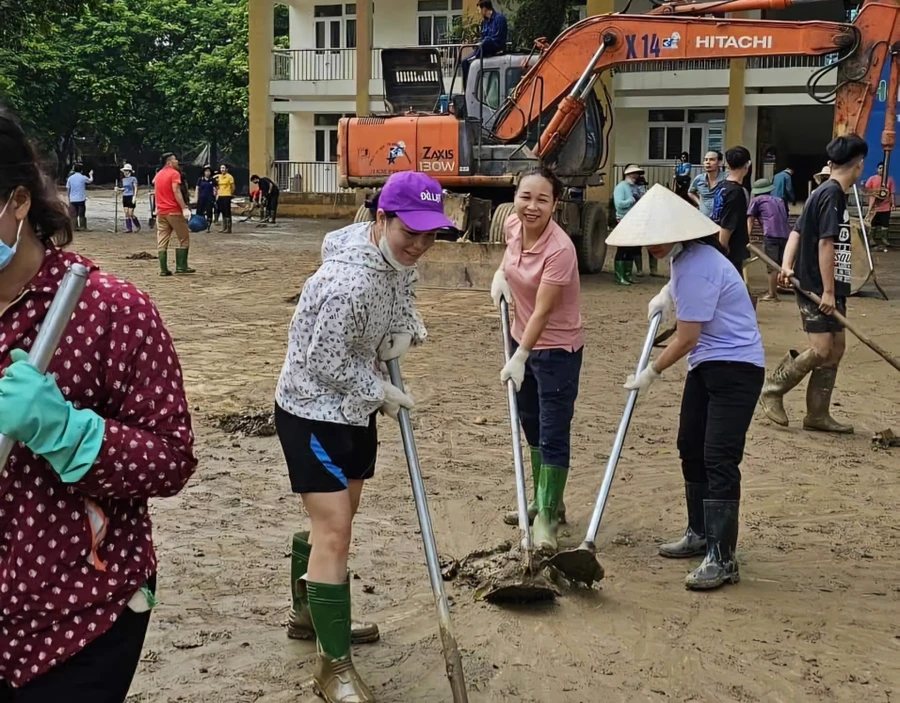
694,131
436,19
576,13
335,26
327,136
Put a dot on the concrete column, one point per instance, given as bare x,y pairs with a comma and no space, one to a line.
603,193
734,117
262,120
363,55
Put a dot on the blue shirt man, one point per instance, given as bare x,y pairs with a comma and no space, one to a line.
77,185
784,186
702,190
494,32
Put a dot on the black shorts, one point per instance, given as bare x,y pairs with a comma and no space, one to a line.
817,322
128,201
774,248
322,456
882,219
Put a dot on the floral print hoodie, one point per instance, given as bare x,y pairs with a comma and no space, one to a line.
347,308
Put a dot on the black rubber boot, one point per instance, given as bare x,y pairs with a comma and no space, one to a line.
693,543
719,566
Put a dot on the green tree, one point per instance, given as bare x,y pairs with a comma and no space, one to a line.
533,19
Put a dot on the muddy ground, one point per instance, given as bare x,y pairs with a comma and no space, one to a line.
815,617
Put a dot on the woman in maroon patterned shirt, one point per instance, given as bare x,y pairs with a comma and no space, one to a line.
106,429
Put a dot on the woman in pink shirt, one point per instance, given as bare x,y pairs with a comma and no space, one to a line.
540,273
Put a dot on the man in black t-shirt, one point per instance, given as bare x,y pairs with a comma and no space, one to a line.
821,246
270,193
730,203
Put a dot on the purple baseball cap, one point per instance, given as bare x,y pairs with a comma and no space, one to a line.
417,199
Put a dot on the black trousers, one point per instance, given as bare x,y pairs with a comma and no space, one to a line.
628,253
99,673
716,410
205,207
272,205
224,206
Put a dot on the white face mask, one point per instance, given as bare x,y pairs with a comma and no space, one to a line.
8,252
676,250
388,255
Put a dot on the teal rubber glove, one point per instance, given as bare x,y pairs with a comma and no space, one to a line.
33,411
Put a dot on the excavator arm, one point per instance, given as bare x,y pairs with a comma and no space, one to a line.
569,67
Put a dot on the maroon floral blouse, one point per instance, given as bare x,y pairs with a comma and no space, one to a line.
59,589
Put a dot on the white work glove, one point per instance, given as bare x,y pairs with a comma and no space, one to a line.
394,399
500,288
664,303
394,346
643,380
187,213
515,368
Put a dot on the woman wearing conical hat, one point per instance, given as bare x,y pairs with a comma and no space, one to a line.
718,333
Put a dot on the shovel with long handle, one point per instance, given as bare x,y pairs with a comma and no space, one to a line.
52,328
452,658
581,564
858,333
515,429
863,224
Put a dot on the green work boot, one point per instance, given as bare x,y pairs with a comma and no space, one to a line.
300,624
549,493
335,678
181,261
639,266
164,263
654,265
628,272
619,268
512,517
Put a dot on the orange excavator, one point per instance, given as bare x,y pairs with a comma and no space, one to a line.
476,144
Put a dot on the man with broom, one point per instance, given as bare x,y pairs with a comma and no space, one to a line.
820,249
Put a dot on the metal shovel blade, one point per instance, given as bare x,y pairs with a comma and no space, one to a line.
579,564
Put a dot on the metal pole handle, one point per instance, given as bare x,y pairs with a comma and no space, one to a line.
619,441
452,657
862,227
516,431
52,328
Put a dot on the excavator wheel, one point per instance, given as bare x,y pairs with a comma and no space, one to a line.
591,243
501,215
364,214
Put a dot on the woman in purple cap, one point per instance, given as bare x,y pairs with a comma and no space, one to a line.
356,310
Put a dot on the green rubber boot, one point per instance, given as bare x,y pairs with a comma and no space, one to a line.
619,268
654,265
164,263
549,493
181,261
335,678
300,624
512,517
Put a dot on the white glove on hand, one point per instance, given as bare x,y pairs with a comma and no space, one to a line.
515,368
394,399
643,380
186,213
394,346
664,303
500,288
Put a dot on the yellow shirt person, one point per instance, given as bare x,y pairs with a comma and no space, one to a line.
226,185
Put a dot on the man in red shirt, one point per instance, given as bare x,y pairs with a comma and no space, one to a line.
172,214
882,208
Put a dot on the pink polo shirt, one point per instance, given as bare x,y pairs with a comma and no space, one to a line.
551,260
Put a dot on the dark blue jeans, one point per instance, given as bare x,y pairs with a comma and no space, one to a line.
547,402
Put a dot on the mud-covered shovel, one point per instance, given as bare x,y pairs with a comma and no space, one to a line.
581,564
531,585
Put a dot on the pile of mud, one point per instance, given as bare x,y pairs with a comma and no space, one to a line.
249,423
141,256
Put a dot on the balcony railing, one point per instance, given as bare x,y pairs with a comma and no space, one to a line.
338,64
774,62
307,177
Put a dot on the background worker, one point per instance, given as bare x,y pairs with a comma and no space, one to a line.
225,188
730,202
206,196
105,430
76,185
626,193
784,187
881,222
539,272
703,186
129,198
494,33
718,332
172,215
681,181
270,193
773,217
819,248
359,307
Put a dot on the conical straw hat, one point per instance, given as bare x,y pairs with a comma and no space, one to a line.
661,217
